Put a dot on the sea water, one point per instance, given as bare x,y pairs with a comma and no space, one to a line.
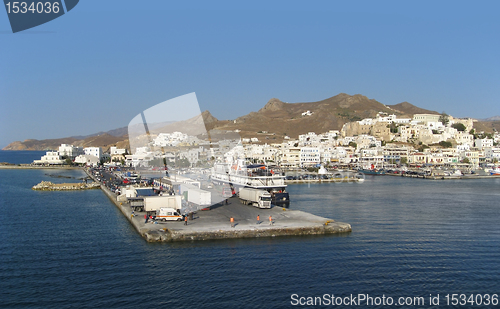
20,157
410,238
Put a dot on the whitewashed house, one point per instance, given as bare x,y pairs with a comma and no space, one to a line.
483,143
70,151
93,151
50,157
88,160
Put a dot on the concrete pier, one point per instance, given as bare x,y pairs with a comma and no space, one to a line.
215,223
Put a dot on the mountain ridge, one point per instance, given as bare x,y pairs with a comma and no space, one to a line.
271,123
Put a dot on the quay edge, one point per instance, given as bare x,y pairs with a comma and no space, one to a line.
168,235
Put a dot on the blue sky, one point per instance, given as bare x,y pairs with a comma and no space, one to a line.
104,62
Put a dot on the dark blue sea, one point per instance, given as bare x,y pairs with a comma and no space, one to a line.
20,157
411,238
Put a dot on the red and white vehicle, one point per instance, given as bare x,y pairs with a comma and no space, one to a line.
168,214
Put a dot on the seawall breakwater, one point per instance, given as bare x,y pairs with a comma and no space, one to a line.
49,186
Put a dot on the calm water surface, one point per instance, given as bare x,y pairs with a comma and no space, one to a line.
411,237
20,157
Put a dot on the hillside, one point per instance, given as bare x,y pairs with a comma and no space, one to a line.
410,109
270,124
279,118
33,144
194,126
494,118
487,126
115,132
104,140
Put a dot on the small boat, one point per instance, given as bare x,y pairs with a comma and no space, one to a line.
495,172
372,171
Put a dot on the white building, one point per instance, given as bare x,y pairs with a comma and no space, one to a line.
340,155
192,155
402,120
308,139
464,138
472,156
309,156
366,122
117,151
463,147
435,125
483,143
70,151
170,139
93,151
142,150
290,156
139,160
425,118
492,153
50,157
89,160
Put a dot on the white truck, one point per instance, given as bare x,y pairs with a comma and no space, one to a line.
196,196
168,214
256,197
152,204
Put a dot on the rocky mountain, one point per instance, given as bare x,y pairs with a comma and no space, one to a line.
277,119
104,140
494,118
487,126
270,124
115,132
410,109
193,126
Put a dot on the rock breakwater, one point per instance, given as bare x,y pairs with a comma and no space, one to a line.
49,186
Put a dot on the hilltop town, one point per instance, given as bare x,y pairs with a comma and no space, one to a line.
385,140
343,131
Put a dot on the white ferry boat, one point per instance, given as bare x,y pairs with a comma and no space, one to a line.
258,176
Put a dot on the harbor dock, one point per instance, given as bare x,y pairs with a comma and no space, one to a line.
215,223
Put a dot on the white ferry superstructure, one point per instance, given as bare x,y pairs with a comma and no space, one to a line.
258,176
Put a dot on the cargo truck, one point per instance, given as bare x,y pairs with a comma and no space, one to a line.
256,197
196,196
152,204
